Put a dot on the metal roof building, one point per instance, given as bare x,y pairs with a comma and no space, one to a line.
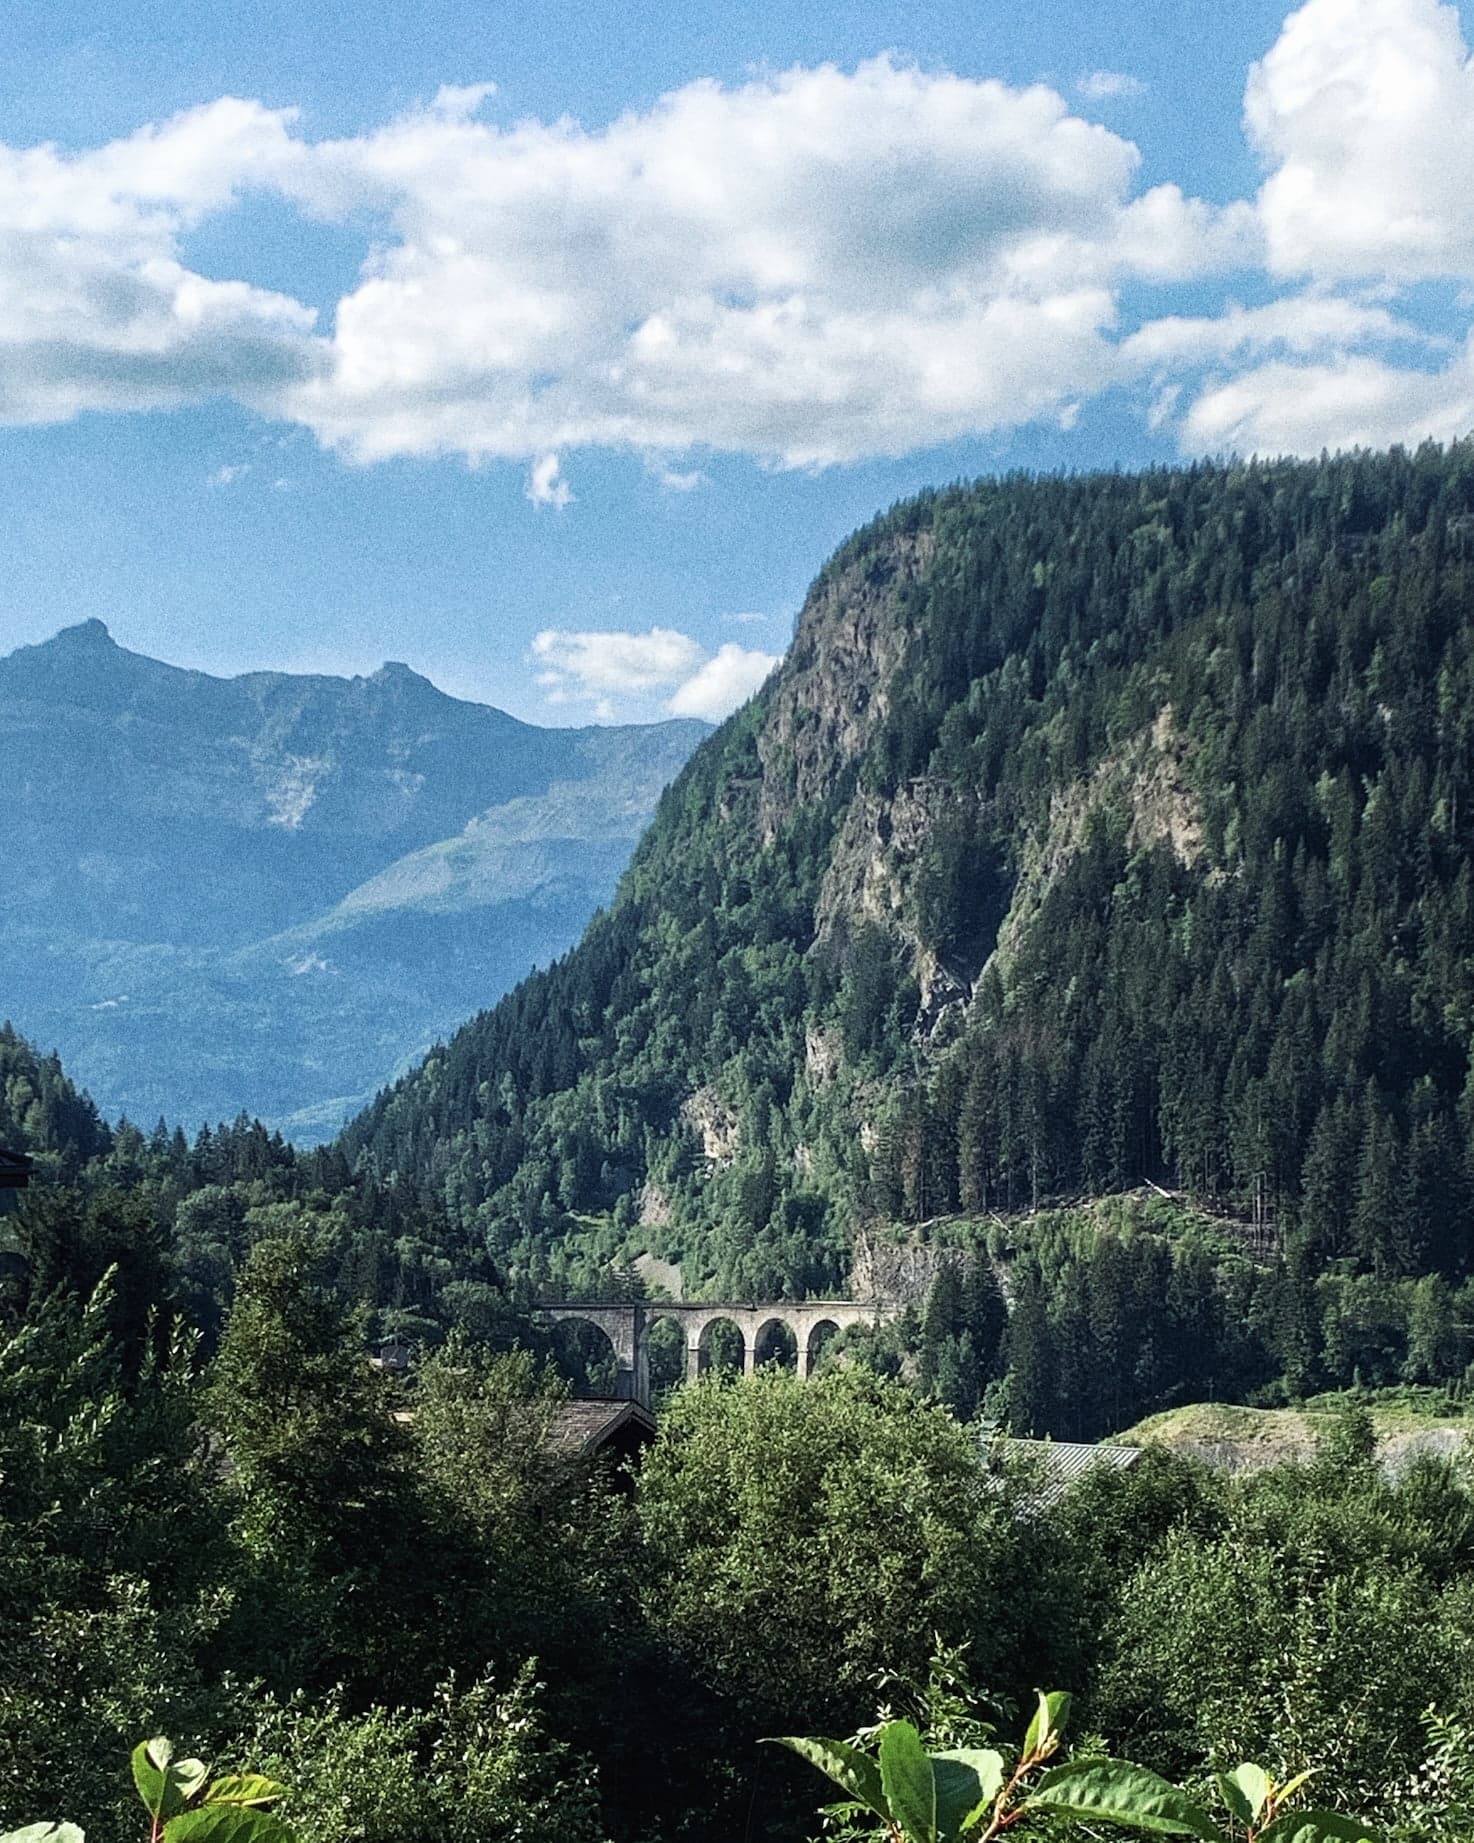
1052,1466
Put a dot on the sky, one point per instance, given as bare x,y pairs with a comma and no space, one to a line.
552,350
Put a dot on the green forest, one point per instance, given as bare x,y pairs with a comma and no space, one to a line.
1078,923
400,1604
1168,774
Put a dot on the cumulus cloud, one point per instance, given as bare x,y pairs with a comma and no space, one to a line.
725,681
614,661
1364,110
1299,326
813,267
1357,400
601,667
808,268
97,312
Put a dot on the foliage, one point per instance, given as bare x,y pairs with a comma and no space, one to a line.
186,1805
474,1762
943,1797
790,1508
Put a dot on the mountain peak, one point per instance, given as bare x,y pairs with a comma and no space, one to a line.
90,633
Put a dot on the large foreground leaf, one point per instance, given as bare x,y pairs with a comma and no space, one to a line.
967,1781
226,1824
1116,1792
910,1787
1316,1827
852,1771
165,1784
244,1789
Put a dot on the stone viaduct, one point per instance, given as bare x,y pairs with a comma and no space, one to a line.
627,1327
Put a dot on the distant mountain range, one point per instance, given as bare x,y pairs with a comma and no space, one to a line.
272,892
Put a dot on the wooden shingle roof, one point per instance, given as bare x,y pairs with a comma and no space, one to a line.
578,1429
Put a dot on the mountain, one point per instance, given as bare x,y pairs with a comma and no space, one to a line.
1095,830
269,892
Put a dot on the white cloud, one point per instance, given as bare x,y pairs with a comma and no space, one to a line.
575,663
1364,110
546,485
679,480
97,311
227,474
812,267
598,668
1298,375
1357,400
725,681
1104,85
1300,324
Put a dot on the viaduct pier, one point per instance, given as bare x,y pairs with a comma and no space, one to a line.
626,1324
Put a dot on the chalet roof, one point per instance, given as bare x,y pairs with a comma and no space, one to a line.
1057,1464
15,1171
577,1429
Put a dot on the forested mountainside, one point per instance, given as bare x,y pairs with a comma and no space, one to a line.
1095,830
272,891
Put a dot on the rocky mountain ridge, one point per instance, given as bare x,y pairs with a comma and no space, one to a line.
269,892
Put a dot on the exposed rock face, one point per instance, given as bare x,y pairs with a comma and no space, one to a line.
1147,781
655,1207
875,855
822,1053
833,694
271,892
883,1268
715,1124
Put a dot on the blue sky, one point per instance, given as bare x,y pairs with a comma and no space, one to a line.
315,353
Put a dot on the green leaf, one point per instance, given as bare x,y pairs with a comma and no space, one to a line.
150,1762
189,1776
1116,1792
1232,1794
227,1824
45,1833
910,1786
1292,1786
165,1785
967,1779
244,1789
1048,1723
851,1770
1252,1784
1317,1827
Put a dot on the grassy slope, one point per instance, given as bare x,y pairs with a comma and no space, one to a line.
1408,1422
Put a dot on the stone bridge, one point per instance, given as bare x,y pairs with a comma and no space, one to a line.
627,1327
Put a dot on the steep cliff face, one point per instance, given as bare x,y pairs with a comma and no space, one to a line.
832,696
1063,851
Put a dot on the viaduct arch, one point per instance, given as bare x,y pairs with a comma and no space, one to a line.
627,1326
